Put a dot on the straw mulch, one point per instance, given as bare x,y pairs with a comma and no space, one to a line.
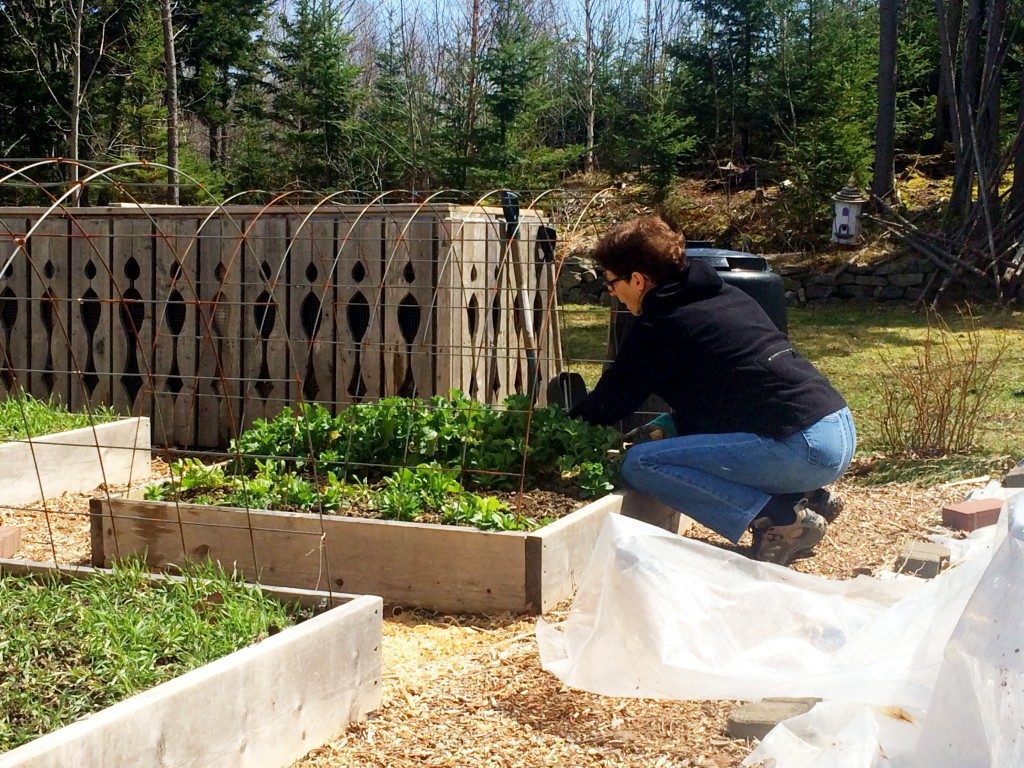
469,691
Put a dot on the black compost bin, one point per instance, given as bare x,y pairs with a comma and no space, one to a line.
751,274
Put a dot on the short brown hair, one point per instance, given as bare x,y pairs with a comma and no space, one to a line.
647,245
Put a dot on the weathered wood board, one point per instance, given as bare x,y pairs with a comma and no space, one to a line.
75,461
264,706
444,568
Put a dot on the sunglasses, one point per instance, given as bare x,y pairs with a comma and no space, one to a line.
609,285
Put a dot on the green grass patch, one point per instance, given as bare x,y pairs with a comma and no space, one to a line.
847,344
69,648
24,416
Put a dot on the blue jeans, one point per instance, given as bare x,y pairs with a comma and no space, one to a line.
723,481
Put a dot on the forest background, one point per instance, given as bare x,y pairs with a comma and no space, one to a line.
476,94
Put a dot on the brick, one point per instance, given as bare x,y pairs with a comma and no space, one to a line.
754,719
1015,477
10,540
971,515
923,559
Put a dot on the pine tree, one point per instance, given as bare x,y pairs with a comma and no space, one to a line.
316,94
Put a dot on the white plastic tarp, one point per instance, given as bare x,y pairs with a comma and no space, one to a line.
661,616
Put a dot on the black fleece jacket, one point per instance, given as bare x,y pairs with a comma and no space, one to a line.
712,353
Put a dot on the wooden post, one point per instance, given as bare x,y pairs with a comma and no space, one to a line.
218,396
91,315
132,332
265,386
15,307
51,310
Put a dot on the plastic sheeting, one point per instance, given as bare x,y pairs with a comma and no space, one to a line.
913,673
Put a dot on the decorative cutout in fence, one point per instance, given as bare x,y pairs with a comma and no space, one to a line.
209,318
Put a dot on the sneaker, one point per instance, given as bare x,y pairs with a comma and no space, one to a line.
826,504
782,544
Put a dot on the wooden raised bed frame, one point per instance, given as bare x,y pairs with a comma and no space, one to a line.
263,706
444,568
75,461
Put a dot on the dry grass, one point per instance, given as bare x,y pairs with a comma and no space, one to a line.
469,691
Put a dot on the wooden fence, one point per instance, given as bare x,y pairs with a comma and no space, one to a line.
208,318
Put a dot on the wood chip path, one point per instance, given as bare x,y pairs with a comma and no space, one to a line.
469,691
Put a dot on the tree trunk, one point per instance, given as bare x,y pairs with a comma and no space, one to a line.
967,110
947,125
588,21
474,45
882,181
1017,190
75,112
171,75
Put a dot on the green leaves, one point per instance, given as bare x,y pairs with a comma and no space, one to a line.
442,448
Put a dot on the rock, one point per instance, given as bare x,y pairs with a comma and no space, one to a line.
826,279
923,559
871,280
906,279
846,279
755,719
789,284
792,298
817,291
1015,477
889,293
914,294
854,291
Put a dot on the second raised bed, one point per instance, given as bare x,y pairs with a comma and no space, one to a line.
443,568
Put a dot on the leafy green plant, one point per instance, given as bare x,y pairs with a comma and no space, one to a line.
444,447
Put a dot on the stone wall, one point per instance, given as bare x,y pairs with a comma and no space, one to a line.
900,279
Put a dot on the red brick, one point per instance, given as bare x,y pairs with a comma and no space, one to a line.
970,515
10,540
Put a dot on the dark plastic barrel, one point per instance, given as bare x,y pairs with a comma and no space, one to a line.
751,274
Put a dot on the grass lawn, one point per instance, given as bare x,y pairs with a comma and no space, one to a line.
848,344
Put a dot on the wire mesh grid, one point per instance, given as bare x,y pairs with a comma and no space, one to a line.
311,356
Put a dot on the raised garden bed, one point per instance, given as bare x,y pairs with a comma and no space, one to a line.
519,565
265,705
443,568
34,467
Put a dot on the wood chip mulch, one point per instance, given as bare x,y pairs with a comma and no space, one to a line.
469,691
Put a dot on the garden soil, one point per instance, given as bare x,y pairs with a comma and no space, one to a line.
469,691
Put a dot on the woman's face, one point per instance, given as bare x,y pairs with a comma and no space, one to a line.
629,289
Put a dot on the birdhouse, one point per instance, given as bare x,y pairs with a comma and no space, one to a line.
849,201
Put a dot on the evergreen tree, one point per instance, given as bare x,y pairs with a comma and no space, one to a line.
315,94
517,98
221,51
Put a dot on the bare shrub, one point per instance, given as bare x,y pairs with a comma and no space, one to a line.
934,403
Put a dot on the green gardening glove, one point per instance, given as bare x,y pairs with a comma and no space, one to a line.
658,428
